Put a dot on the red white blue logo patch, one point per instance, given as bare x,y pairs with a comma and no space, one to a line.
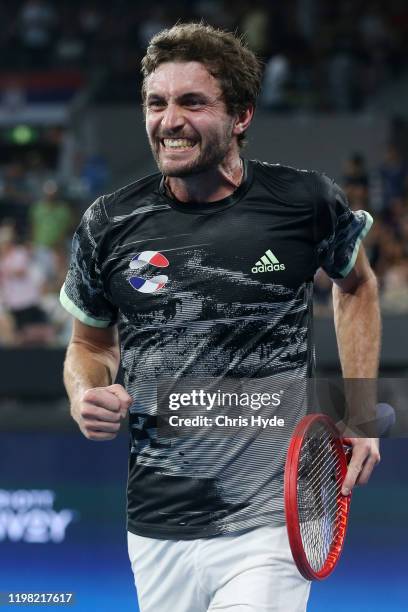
153,258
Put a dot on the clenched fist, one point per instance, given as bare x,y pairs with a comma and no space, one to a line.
99,411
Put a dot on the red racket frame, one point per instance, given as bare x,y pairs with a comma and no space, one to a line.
291,502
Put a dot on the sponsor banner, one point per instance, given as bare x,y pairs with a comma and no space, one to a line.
30,515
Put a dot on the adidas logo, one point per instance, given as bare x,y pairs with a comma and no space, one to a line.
268,263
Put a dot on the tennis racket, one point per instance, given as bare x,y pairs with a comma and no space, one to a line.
316,511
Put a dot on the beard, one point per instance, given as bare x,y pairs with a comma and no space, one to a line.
209,155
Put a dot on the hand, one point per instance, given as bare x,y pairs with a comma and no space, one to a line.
364,458
100,411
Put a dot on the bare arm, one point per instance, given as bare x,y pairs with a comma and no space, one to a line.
358,330
357,320
90,367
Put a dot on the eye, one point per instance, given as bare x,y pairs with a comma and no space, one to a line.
156,104
194,102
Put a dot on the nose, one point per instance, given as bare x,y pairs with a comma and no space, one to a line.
172,119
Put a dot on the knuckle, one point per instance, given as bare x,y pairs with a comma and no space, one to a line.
116,388
124,405
85,411
89,394
87,429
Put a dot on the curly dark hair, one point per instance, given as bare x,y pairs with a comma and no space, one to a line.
225,56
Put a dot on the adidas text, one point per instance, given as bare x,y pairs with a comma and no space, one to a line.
268,268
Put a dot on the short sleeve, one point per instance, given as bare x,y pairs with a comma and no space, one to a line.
82,294
339,230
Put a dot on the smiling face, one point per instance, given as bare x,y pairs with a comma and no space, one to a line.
187,123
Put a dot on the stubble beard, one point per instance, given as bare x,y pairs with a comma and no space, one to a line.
211,156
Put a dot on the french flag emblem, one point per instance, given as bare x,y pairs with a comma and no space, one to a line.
153,258
149,257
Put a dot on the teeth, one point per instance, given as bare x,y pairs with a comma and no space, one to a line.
178,143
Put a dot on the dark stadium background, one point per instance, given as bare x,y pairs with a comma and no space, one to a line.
71,127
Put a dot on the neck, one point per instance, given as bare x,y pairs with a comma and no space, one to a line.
209,186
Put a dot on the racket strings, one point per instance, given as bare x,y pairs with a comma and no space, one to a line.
321,530
321,470
319,488
317,539
318,463
324,531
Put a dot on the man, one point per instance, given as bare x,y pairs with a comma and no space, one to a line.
206,270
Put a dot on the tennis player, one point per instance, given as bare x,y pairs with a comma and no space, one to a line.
205,269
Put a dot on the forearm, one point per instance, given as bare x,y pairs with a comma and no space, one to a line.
358,330
87,367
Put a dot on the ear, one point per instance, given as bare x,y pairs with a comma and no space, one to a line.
243,120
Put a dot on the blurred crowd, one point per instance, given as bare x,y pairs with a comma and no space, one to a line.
35,232
383,192
318,55
42,198
37,220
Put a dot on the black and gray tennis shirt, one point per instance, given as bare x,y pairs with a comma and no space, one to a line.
221,291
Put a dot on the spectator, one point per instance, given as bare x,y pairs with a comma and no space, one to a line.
355,172
254,25
14,183
274,88
51,223
395,215
94,175
58,316
37,172
51,218
343,77
21,286
37,22
394,176
395,280
15,196
356,183
70,47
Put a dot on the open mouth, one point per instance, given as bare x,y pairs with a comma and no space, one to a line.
177,144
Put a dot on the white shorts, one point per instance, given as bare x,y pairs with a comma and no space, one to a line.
250,572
